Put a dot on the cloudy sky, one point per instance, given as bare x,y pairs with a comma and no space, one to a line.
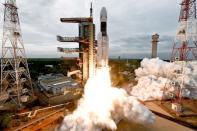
130,25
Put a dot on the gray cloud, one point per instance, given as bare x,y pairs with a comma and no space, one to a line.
130,24
140,46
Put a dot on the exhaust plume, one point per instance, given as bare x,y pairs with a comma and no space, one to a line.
158,79
103,106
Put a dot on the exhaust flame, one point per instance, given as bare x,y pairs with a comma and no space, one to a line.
103,106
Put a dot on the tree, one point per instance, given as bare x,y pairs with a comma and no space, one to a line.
5,120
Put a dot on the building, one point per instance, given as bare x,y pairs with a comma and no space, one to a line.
57,89
155,40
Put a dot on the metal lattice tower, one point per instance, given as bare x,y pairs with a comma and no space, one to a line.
185,46
15,77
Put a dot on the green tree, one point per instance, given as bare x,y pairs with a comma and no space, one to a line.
5,120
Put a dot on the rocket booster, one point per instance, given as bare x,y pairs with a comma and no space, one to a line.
103,41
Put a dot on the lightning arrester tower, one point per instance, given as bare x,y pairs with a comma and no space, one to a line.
185,46
16,82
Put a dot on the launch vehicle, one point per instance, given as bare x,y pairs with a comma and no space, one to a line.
103,40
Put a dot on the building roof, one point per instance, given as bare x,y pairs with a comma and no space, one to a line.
57,82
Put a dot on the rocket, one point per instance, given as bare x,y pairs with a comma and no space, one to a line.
103,41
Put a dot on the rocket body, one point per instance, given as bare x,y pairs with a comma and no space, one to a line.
103,40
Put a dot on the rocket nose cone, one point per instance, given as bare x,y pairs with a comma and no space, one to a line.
103,13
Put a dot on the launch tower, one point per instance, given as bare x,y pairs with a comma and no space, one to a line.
15,77
86,40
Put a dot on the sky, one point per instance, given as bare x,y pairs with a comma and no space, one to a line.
130,25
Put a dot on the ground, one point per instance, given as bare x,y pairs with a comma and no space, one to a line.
122,75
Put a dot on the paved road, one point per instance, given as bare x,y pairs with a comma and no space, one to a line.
161,124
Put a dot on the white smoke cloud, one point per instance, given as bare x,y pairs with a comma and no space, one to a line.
103,106
157,78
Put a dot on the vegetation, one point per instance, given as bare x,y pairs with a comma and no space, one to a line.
5,120
118,68
122,71
38,66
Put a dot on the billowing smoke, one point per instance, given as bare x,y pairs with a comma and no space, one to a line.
103,106
158,79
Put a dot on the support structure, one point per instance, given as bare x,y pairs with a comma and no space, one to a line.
185,46
184,49
67,50
16,82
86,40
